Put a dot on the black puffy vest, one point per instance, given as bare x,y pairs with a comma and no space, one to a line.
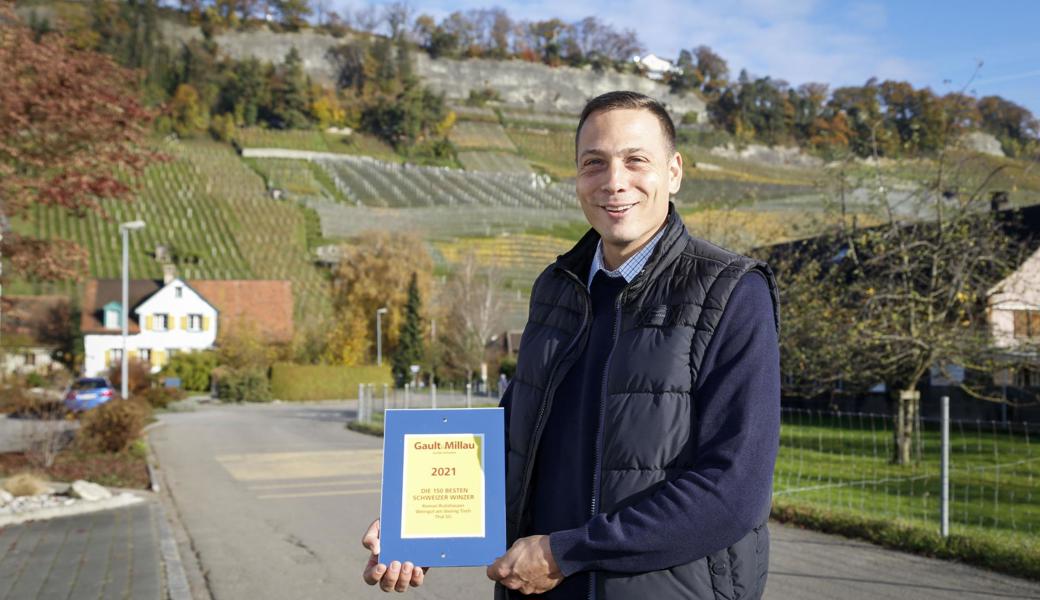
683,288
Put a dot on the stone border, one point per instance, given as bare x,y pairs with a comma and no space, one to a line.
80,508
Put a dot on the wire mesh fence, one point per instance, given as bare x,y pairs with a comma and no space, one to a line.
843,461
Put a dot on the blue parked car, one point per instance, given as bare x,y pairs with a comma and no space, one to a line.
87,392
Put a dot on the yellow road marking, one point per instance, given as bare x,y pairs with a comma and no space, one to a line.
302,465
283,486
317,494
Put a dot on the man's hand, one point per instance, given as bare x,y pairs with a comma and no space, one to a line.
528,566
393,578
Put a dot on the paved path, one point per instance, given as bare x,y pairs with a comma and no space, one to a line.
275,499
104,555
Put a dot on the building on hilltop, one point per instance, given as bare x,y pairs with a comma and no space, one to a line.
171,315
655,66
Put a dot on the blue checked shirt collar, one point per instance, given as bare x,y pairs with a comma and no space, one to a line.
631,267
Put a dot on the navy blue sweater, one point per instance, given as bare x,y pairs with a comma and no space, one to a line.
737,426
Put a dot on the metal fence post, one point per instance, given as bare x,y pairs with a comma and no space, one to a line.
361,402
433,395
407,389
386,395
944,528
469,392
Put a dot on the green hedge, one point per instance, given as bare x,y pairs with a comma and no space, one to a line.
324,382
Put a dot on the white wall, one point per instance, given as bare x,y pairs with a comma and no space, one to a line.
1019,291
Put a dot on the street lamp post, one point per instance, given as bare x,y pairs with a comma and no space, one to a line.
124,316
379,335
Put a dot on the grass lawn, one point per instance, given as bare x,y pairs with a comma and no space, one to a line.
834,473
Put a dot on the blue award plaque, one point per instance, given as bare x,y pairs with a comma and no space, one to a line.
443,493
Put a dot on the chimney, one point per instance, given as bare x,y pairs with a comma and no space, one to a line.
169,273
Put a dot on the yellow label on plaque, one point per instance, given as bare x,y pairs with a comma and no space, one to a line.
443,486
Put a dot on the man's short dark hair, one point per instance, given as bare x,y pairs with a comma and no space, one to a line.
628,100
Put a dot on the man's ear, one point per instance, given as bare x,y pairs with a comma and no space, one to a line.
675,173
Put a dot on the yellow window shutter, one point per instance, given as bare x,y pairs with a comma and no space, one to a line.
205,323
184,323
133,355
108,358
154,358
148,322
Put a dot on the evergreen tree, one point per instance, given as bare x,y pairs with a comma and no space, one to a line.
410,339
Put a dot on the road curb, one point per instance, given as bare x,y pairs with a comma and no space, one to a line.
177,587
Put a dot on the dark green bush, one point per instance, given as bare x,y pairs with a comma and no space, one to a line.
242,385
194,369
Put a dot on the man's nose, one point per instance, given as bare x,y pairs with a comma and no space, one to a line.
617,177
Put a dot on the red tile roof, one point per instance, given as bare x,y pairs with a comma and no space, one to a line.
266,305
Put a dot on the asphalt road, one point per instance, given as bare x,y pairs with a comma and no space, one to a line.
275,499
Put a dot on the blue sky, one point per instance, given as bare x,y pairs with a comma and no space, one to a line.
929,43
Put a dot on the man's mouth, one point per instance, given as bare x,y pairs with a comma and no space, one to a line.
619,209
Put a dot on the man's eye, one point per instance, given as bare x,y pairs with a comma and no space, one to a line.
592,162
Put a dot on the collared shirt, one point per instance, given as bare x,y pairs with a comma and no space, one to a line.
630,268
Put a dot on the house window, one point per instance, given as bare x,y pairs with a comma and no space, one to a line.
194,322
1027,323
115,356
30,359
161,322
178,292
145,355
112,320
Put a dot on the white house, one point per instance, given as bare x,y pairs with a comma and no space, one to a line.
656,67
165,318
1014,306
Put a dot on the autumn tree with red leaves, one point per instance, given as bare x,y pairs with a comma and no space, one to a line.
71,131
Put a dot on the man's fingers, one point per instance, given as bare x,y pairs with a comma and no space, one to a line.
418,575
406,577
371,538
498,570
374,572
389,580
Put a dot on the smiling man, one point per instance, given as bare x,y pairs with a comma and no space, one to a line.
643,419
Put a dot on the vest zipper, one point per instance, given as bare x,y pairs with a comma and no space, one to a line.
550,390
599,428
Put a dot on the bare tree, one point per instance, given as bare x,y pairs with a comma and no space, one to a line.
474,300
367,19
397,16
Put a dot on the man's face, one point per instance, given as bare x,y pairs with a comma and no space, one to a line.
626,173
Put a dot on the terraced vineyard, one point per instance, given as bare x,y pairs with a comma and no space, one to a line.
339,220
316,141
379,184
480,135
210,211
292,176
552,150
494,162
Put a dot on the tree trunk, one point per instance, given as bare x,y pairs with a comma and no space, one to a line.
909,402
